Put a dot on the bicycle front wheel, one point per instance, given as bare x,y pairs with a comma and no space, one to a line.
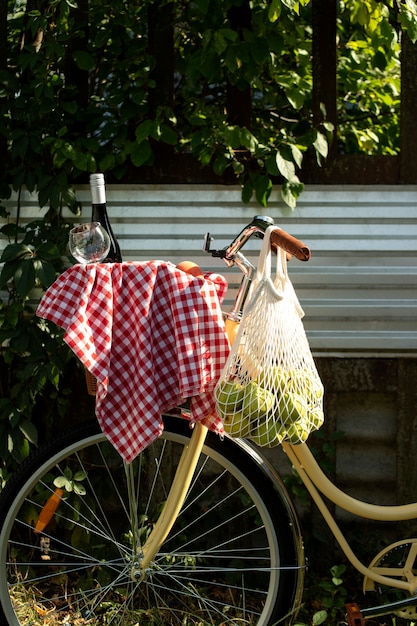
231,556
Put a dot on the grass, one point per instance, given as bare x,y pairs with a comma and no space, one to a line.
31,612
325,605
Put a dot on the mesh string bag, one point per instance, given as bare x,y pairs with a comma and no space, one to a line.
269,390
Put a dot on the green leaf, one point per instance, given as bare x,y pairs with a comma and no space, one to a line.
297,155
249,141
70,199
20,146
295,97
6,408
319,618
25,278
271,165
361,14
48,251
407,18
286,167
232,137
11,317
80,160
79,489
60,481
220,164
81,475
43,196
204,156
84,60
321,145
168,135
141,153
263,188
247,192
203,5
290,191
338,570
7,273
4,212
274,10
328,126
219,42
15,251
143,131
229,33
291,4
70,107
44,272
107,162
20,447
29,430
53,374
68,473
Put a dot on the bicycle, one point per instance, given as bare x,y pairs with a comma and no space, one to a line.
197,530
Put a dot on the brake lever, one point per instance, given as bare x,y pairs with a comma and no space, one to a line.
220,254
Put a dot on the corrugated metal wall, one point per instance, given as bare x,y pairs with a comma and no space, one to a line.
359,288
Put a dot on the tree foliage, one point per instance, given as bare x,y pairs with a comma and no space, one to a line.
83,89
369,78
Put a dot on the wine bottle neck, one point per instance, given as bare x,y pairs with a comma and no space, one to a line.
99,212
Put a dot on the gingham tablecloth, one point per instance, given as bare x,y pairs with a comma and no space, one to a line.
151,334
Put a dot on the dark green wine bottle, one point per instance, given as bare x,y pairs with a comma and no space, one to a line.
99,214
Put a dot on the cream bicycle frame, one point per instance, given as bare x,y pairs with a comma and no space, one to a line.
315,481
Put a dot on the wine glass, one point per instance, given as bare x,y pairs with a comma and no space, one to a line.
89,243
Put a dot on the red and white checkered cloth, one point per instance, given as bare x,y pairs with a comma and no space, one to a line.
151,334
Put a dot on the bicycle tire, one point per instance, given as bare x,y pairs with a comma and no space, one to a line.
233,555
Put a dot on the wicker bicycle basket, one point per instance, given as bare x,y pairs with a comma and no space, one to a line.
91,382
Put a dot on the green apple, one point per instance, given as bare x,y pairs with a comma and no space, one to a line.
274,378
236,425
229,397
316,417
291,408
257,402
298,432
305,383
267,432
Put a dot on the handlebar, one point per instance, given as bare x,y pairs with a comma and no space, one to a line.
232,255
279,239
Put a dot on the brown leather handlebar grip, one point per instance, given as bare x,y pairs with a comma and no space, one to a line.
293,246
